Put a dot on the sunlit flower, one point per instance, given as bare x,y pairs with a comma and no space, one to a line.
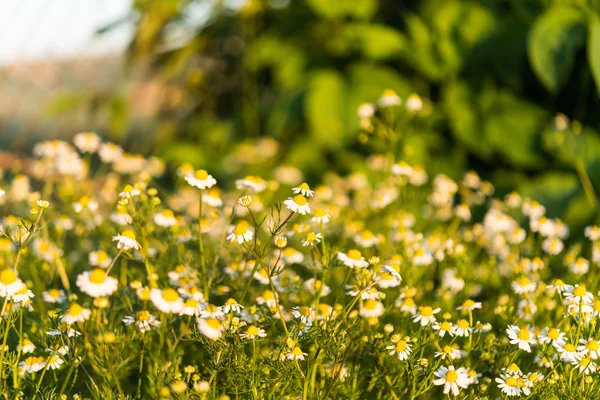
389,98
402,348
521,336
353,259
201,180
32,364
304,190
241,232
167,300
298,204
96,283
126,240
76,313
254,184
210,327
85,203
252,332
9,283
426,315
54,296
99,259
143,320
452,379
312,238
129,192
296,354
165,218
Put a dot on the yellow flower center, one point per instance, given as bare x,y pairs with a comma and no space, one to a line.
252,330
75,309
97,276
170,295
354,254
389,93
426,311
44,246
128,188
462,323
592,345
241,227
511,381
55,293
297,351
320,213
213,323
445,326
168,214
201,174
534,377
468,304
401,346
85,201
580,291
143,315
7,277
569,347
129,234
311,237
451,376
524,334
524,281
191,303
371,304
304,310
231,302
304,186
553,334
300,200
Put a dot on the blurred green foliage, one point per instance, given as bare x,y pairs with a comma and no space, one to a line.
495,73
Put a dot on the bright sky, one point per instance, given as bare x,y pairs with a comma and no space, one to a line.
52,29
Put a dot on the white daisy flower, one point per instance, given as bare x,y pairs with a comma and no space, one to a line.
54,296
296,354
553,336
192,307
201,180
298,204
126,240
96,283
241,232
166,219
252,332
469,305
129,192
54,362
254,184
304,190
462,328
210,327
231,305
212,197
389,98
167,300
76,313
9,283
568,352
443,328
143,320
27,346
589,347
510,385
311,239
426,315
99,259
521,336
402,348
353,259
85,203
32,364
212,311
87,142
452,379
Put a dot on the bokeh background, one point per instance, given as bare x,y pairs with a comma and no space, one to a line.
240,86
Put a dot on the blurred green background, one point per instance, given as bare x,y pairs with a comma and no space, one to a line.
202,80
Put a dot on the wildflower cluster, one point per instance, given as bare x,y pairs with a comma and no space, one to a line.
386,283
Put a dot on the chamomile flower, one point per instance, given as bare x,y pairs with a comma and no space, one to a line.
54,296
353,259
462,328
304,190
553,336
296,354
298,204
129,192
443,328
320,216
585,365
9,283
167,300
27,346
592,232
469,305
22,296
578,294
366,239
143,320
241,232
76,313
589,347
126,240
253,332
389,275
389,98
32,364
212,311
210,327
254,184
402,348
304,314
452,379
212,197
317,287
54,362
521,336
96,283
523,285
510,385
191,307
426,315
99,259
165,218
568,352
201,180
85,203
290,255
232,306
312,239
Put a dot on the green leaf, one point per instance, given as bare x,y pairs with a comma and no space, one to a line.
593,52
553,41
325,108
332,9
377,42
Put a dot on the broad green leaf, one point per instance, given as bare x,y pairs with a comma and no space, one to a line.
325,108
593,52
553,41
